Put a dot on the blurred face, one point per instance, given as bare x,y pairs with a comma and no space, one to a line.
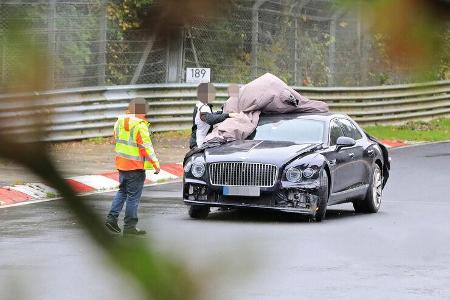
138,107
233,90
206,92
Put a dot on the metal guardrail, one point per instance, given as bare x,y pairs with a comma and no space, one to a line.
91,112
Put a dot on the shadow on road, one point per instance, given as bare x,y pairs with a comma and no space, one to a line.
267,216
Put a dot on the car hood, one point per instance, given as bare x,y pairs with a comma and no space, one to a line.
273,152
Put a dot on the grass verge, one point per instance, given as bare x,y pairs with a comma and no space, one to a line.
435,130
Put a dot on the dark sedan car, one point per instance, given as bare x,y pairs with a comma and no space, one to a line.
292,162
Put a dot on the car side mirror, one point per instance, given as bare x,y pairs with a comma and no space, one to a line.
344,142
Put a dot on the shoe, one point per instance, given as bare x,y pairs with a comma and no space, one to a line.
134,231
113,226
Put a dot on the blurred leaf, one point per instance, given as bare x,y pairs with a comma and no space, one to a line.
159,276
415,31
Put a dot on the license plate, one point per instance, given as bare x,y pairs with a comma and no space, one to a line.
249,191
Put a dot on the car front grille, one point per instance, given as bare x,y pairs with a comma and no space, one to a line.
243,174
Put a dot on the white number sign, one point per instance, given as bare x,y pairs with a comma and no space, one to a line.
198,75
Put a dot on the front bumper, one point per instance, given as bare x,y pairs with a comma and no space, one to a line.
282,197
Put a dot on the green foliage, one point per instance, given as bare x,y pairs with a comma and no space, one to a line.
124,16
314,53
76,45
410,39
443,70
435,130
128,14
158,275
273,58
26,70
223,47
226,48
50,195
378,63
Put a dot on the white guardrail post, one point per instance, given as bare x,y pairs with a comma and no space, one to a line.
73,114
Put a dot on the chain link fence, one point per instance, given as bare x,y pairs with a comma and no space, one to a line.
306,43
303,42
86,48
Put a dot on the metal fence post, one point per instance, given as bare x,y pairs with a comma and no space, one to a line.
296,51
255,33
363,49
332,47
51,42
174,62
3,62
332,52
194,51
298,76
103,26
140,66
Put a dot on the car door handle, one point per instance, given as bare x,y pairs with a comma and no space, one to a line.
351,154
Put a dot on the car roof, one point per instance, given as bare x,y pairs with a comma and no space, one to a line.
312,116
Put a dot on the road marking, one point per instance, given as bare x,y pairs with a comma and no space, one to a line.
35,201
174,169
420,144
84,185
161,177
98,182
30,191
79,187
10,196
392,143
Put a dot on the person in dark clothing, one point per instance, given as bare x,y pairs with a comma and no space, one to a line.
203,118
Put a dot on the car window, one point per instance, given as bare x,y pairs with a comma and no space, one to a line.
290,130
349,129
358,134
335,132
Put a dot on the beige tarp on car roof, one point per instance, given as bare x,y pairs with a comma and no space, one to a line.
267,94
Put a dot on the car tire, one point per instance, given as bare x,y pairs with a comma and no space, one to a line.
323,197
198,211
372,201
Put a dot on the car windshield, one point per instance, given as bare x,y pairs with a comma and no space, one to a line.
295,130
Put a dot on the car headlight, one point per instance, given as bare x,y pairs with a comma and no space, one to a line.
187,167
308,172
198,169
293,175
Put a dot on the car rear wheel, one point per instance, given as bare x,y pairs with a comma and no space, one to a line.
198,211
323,197
372,202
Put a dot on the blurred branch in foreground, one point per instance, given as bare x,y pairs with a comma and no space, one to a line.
416,32
159,276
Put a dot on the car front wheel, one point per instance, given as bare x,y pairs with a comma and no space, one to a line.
323,197
198,211
372,202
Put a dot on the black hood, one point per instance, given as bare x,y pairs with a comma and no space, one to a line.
273,152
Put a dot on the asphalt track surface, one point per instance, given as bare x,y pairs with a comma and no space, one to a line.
403,252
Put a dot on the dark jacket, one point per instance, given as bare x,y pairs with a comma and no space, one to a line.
209,118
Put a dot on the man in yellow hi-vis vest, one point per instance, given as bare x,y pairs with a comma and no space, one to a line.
134,155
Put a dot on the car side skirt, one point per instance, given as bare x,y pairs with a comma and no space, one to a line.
348,195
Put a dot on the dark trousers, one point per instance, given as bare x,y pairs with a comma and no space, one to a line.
130,190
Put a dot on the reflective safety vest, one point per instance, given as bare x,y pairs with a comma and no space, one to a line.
134,149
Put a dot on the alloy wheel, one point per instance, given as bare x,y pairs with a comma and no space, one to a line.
377,187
